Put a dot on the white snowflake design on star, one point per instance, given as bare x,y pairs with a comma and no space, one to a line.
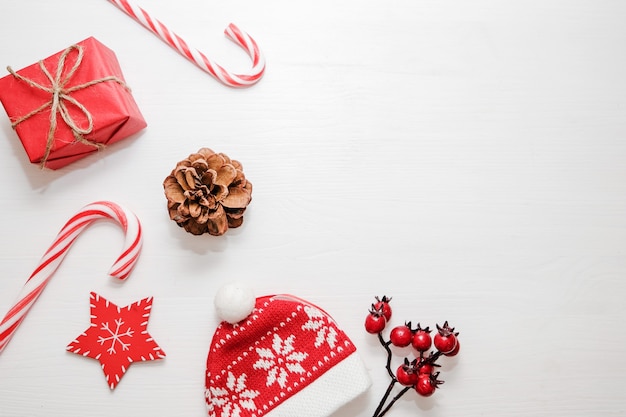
115,336
318,322
232,399
280,360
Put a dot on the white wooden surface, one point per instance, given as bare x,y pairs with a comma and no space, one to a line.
465,157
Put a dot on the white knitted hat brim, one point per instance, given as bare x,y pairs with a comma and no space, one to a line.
327,393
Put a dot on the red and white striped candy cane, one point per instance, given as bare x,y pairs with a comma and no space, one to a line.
53,257
235,34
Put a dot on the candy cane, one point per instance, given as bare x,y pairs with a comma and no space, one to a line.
53,257
235,34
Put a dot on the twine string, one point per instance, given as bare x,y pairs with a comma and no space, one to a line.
60,95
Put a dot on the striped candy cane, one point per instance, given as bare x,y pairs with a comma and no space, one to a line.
53,257
235,34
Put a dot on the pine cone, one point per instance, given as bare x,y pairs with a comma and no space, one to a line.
207,193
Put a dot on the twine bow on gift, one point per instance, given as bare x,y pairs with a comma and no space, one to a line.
60,95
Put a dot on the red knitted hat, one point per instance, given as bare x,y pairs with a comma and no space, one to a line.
287,358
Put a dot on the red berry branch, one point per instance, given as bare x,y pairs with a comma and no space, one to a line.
418,373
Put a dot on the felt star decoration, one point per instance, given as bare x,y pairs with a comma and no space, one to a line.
117,337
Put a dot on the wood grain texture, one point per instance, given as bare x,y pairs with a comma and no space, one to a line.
464,157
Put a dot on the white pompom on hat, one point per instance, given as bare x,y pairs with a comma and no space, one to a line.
234,302
285,358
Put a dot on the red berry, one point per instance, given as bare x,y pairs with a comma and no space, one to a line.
424,386
425,368
455,350
427,384
401,336
445,339
421,339
426,364
383,303
375,322
406,374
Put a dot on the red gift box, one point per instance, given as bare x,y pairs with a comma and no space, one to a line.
70,104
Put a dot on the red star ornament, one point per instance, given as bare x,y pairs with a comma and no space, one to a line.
117,337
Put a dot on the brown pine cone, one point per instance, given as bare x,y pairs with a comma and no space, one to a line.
207,193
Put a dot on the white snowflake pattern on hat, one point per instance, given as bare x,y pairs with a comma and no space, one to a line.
280,360
318,322
232,399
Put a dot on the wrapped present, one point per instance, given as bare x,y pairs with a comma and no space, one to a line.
70,104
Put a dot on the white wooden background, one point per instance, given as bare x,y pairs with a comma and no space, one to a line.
466,157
